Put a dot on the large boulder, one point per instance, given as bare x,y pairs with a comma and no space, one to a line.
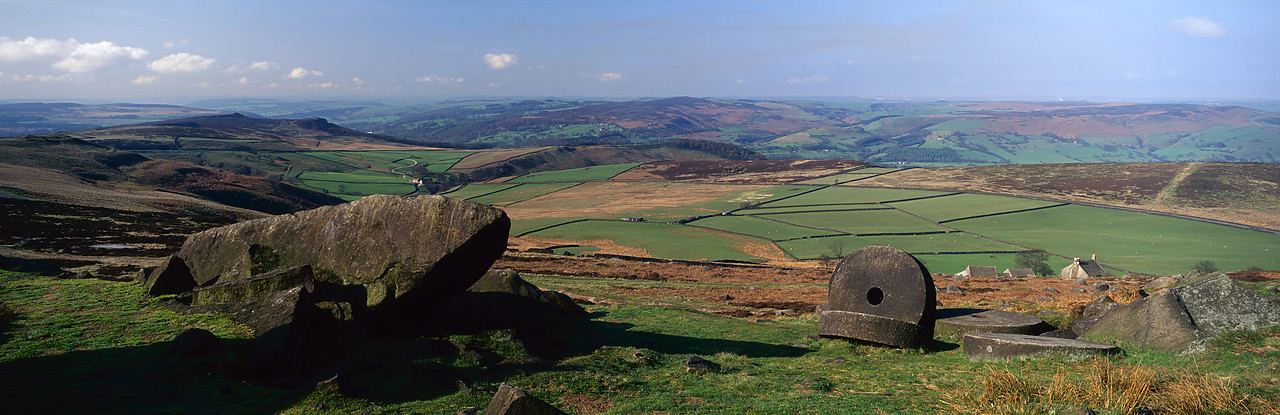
172,277
407,254
1183,319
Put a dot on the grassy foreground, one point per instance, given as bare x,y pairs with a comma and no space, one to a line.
88,346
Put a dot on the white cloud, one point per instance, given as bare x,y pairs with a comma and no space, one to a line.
204,84
273,85
811,79
180,62
1198,27
20,50
324,85
264,66
496,61
494,85
609,76
144,79
171,44
439,79
1132,75
243,80
87,57
301,72
740,81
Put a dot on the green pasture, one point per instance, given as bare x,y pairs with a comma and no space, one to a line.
812,248
965,205
860,221
954,263
578,175
521,193
474,190
764,211
660,240
755,226
837,195
1136,242
356,184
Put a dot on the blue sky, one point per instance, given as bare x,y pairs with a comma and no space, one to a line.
156,51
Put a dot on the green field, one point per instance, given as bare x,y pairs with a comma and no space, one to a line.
521,193
579,174
1133,241
860,221
812,248
941,209
474,190
356,184
755,226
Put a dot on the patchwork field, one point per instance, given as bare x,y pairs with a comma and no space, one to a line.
793,223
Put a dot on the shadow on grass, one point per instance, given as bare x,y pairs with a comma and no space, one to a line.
134,380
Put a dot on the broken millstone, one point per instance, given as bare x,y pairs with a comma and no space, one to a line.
1007,346
872,328
958,321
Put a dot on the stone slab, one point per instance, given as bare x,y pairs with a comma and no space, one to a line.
872,328
883,281
1008,346
958,321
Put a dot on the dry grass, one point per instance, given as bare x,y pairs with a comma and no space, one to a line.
1115,388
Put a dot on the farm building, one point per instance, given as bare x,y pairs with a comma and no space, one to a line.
978,271
1019,273
1082,268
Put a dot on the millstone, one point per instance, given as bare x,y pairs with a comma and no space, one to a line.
958,321
1008,346
883,281
872,328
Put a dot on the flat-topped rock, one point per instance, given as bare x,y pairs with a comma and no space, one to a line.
883,281
1008,346
958,321
407,252
872,328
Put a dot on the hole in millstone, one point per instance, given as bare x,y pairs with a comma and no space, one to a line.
875,296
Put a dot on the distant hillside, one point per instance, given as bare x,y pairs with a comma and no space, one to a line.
568,157
39,118
70,170
234,132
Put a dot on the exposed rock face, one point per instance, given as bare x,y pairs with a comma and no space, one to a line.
257,285
1182,319
511,400
413,252
509,281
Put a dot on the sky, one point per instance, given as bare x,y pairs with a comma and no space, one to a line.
170,50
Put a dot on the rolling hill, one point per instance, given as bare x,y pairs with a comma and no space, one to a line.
38,118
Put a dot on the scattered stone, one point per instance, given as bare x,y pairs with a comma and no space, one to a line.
785,312
872,328
172,277
1099,286
1183,319
509,281
697,364
1078,291
1052,290
407,253
1100,306
724,297
1160,282
1061,334
1081,325
953,289
821,308
958,278
193,341
958,321
1080,281
1007,346
511,400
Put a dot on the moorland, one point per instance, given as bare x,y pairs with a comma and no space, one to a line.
684,225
